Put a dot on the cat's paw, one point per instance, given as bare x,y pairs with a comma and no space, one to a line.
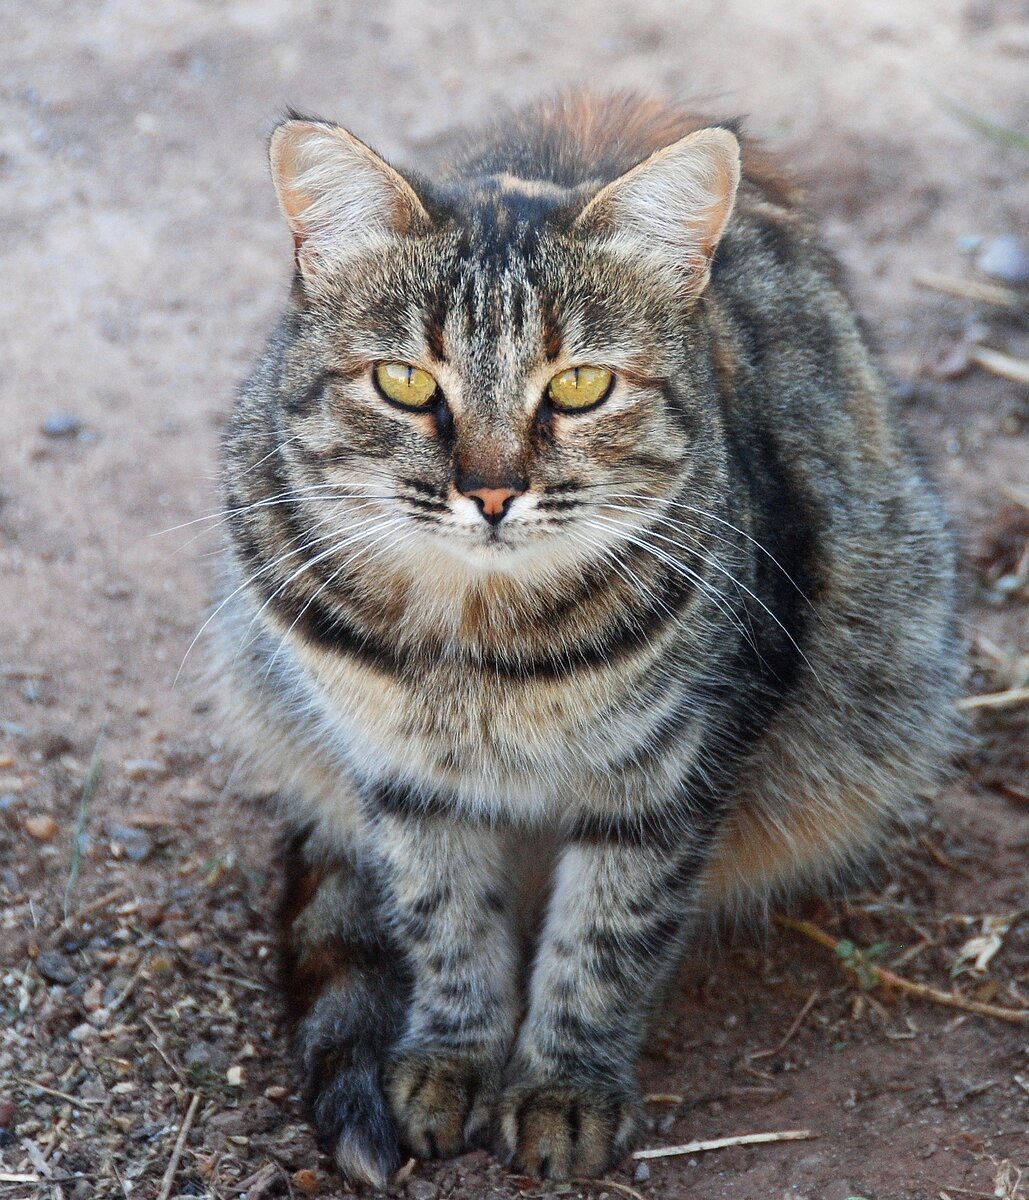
559,1129
441,1101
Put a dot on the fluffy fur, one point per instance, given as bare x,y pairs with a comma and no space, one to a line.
707,654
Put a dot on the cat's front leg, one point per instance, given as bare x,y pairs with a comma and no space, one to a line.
612,936
451,912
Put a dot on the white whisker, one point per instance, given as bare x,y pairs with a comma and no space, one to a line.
357,531
729,525
332,578
736,582
717,597
235,592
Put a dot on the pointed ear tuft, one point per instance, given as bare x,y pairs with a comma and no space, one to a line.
673,208
339,197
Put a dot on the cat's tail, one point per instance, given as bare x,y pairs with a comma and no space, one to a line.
346,995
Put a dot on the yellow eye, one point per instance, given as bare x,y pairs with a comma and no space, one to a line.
405,385
580,387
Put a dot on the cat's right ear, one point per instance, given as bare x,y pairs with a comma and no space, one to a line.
672,209
338,196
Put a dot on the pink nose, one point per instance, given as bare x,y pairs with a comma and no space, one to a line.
493,502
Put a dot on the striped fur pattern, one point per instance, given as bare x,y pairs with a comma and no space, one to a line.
706,656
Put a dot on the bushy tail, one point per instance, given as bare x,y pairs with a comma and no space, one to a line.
346,995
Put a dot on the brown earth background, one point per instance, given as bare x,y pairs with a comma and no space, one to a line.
142,262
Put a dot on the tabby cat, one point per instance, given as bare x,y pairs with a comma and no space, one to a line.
581,586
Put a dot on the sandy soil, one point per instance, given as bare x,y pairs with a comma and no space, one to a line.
143,259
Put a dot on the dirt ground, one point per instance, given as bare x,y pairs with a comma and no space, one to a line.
142,262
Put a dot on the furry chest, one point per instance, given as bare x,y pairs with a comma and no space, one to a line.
463,731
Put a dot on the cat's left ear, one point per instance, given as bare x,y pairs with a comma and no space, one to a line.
338,196
673,208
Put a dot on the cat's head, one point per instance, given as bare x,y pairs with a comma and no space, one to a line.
498,360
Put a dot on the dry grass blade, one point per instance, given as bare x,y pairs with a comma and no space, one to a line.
36,1157
743,1139
180,1142
881,975
96,764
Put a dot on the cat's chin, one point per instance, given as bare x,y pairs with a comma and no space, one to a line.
507,552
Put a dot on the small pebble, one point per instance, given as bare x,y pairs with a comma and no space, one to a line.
235,1077
422,1189
1005,258
42,827
641,1174
6,1113
231,1122
202,1055
195,794
61,425
52,744
93,997
134,843
276,1092
143,768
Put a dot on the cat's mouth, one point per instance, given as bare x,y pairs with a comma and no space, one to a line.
489,545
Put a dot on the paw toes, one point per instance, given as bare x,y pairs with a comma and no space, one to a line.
440,1103
557,1132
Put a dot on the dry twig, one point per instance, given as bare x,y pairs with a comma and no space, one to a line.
92,907
613,1183
180,1142
78,1101
1005,699
157,1041
129,988
922,990
969,289
1007,366
789,1034
744,1139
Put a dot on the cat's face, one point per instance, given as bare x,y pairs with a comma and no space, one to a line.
497,368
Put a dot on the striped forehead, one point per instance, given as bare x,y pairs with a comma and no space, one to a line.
494,330
497,324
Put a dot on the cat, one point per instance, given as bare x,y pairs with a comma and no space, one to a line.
581,585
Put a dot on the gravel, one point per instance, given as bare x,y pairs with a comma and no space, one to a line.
1005,258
